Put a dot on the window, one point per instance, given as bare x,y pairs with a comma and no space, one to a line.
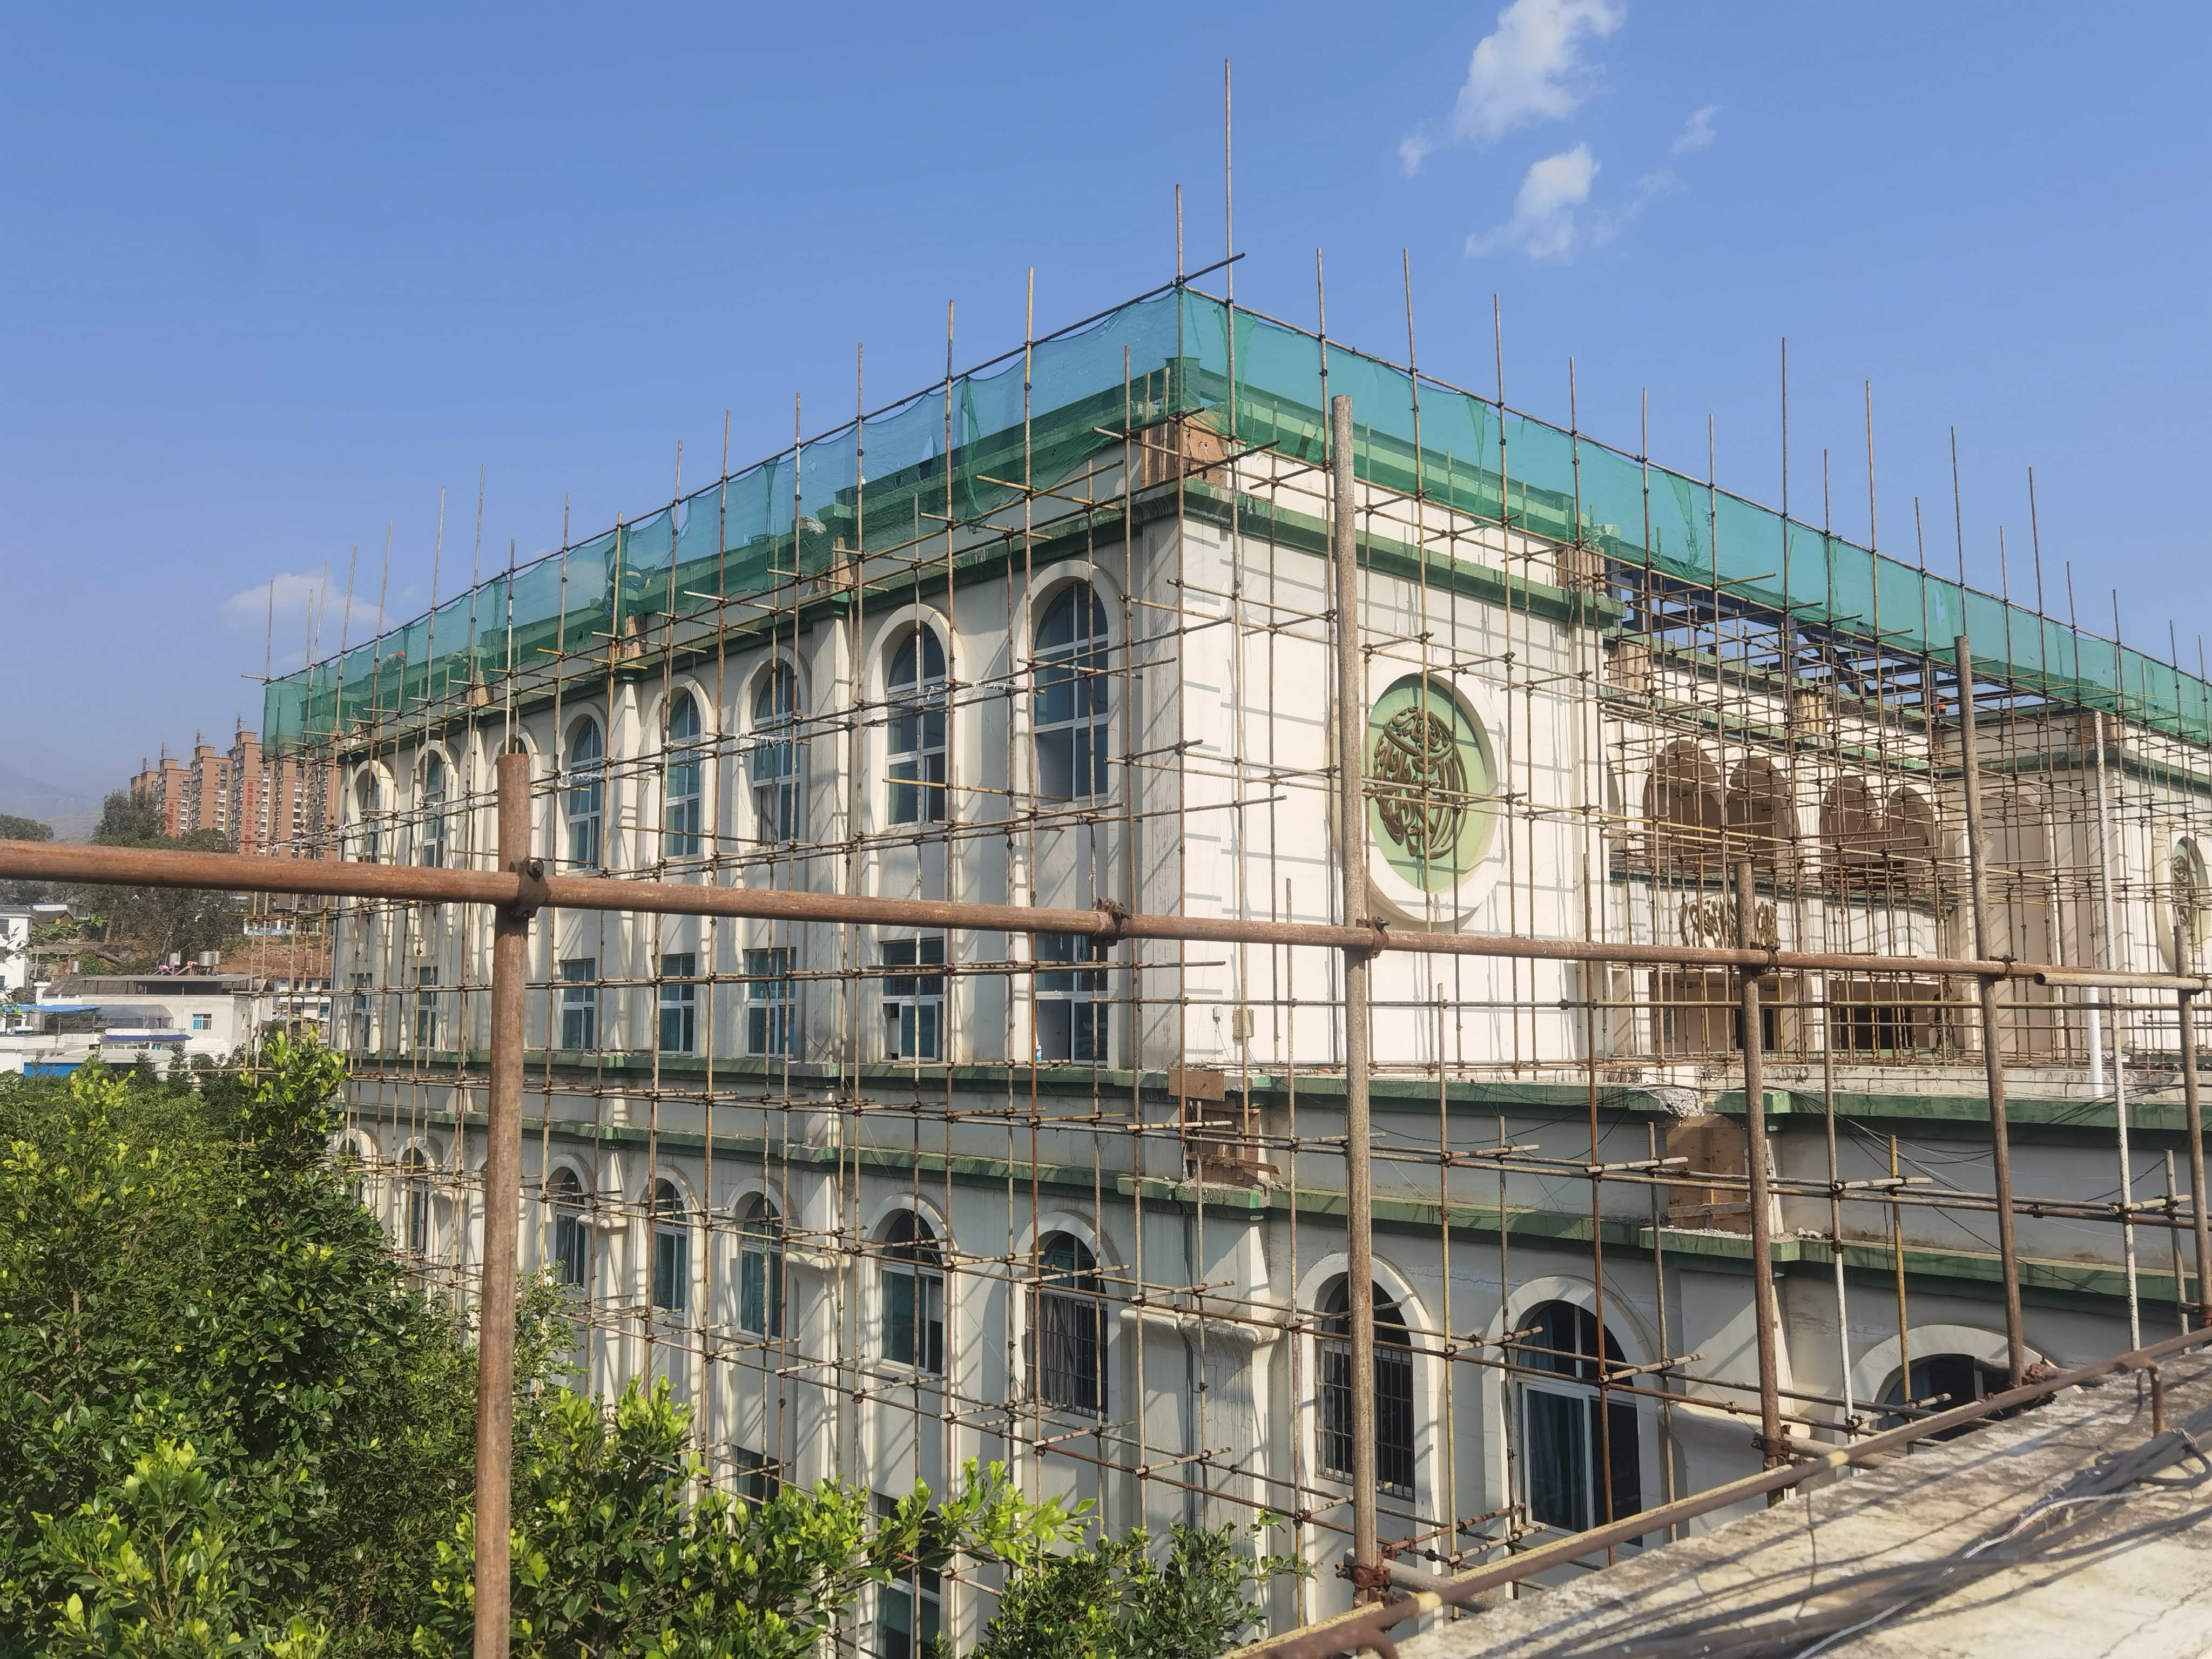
916,687
415,1202
353,1164
770,1004
913,1003
1071,1006
1068,1345
671,1249
431,847
360,1012
564,1195
368,805
1760,822
1071,695
426,1009
679,823
910,1608
580,1002
585,802
760,1268
1940,1382
1684,805
757,1481
1581,1469
914,1295
776,756
1394,1391
202,1022
679,1004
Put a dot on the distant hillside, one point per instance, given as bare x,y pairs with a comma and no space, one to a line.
74,816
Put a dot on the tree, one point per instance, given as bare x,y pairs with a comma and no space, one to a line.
230,1423
160,919
14,827
620,1547
1114,1600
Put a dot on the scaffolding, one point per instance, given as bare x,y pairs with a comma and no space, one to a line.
1666,804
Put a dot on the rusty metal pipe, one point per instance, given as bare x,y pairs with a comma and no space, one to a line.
1977,882
502,1217
234,872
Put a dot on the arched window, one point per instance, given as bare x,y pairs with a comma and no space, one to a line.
1942,1381
776,756
915,683
679,822
913,1294
1581,1469
430,848
760,1268
1760,824
415,1201
367,808
1393,1390
1071,730
572,1239
1067,1326
1884,850
353,1169
1682,802
671,1249
585,800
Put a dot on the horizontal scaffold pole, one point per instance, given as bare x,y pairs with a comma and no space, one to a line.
531,888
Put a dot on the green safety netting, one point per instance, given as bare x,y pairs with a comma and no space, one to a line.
966,449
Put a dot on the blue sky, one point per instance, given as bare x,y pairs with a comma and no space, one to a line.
274,276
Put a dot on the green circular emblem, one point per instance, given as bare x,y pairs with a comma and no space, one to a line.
1429,782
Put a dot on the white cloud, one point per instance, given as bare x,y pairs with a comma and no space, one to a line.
286,607
1543,222
1528,68
1699,132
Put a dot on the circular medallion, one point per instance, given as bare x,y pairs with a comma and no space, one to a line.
1429,782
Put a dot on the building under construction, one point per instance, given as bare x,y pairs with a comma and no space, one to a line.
1063,632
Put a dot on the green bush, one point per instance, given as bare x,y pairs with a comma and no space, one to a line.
230,1424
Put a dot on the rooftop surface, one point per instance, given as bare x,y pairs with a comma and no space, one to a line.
2072,1529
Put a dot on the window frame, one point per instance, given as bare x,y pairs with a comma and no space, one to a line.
913,1002
580,1004
776,756
761,1281
684,774
1074,671
419,1226
1067,1349
434,789
771,1002
669,1215
1556,1402
584,797
917,728
677,1003
1075,996
569,1251
912,1256
1397,1404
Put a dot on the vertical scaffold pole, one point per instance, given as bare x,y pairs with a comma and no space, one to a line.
2193,1106
1977,879
1763,1309
503,1206
1351,841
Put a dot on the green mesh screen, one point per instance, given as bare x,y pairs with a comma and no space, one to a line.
966,449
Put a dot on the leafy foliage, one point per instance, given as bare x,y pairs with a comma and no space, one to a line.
1114,1600
160,920
229,1424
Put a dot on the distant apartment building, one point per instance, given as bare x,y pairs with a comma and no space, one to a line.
258,801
